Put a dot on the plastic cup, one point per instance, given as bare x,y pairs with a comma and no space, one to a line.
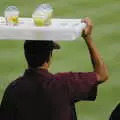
11,14
43,15
48,11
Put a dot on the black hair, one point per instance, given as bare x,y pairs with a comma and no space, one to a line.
37,53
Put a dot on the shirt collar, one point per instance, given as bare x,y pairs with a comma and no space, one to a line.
38,71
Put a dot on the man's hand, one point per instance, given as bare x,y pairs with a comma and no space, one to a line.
88,30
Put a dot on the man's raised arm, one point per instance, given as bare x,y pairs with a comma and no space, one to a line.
97,61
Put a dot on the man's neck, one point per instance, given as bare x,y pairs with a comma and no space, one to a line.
43,67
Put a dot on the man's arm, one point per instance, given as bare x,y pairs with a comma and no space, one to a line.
97,61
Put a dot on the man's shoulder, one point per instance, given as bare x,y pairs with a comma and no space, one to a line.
13,83
10,89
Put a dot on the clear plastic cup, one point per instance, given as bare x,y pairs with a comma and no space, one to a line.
11,15
48,10
43,15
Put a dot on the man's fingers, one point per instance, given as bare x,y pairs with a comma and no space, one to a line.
88,30
87,21
84,21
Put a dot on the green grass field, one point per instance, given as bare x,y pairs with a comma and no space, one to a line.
74,54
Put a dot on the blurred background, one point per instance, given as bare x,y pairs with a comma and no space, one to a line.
73,55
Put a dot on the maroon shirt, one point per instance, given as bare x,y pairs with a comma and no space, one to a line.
40,95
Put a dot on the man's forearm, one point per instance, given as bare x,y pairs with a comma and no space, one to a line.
98,64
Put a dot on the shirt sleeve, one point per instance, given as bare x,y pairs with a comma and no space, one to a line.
7,109
79,86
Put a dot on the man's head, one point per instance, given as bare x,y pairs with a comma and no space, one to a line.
39,53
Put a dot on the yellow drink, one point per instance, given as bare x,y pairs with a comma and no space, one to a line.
11,14
43,15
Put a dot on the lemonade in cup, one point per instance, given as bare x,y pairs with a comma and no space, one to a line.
11,14
39,18
43,15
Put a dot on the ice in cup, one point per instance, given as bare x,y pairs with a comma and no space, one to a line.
43,15
11,15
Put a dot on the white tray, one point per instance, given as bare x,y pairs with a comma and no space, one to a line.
60,29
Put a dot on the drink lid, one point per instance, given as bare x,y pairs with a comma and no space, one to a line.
12,9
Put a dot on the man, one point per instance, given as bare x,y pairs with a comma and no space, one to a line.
40,95
115,115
